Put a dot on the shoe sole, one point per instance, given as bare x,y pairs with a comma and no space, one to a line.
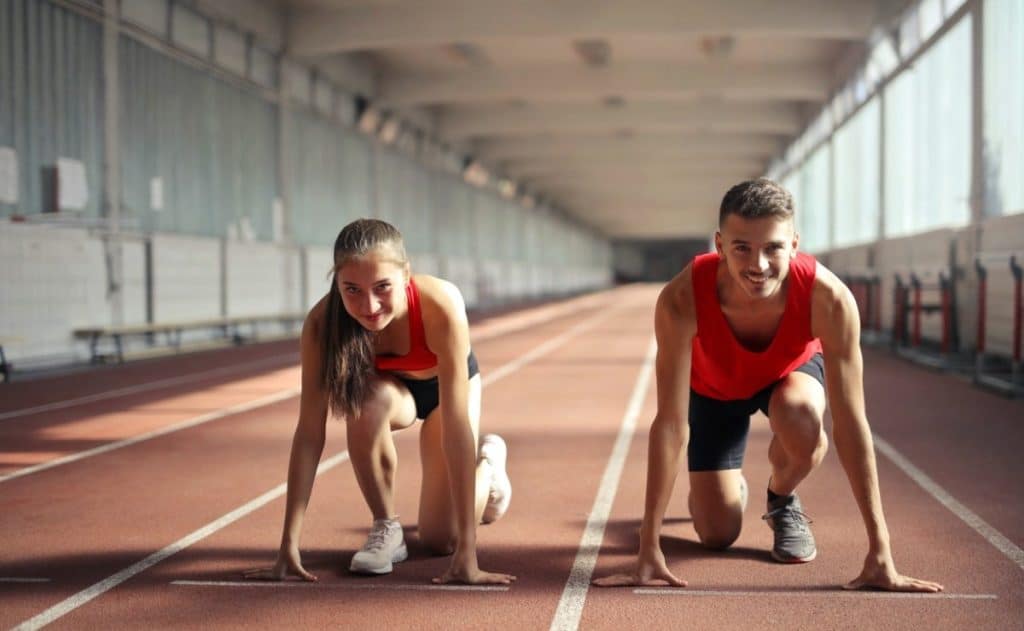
806,559
400,555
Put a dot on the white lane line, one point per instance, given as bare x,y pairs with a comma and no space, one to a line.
19,579
543,349
153,385
544,315
384,586
500,373
77,600
809,593
570,606
969,517
199,420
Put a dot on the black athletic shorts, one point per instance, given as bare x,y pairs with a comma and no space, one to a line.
425,392
718,429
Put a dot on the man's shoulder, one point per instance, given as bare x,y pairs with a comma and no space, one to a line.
832,302
676,301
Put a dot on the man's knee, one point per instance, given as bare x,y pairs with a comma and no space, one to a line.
718,538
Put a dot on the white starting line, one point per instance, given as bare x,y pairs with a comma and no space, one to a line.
807,593
320,585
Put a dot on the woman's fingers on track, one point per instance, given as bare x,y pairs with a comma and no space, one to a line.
632,580
480,578
273,574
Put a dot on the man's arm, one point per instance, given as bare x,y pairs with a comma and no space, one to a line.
675,324
836,321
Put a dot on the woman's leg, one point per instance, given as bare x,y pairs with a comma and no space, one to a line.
370,445
437,514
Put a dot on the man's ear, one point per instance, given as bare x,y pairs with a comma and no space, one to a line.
718,242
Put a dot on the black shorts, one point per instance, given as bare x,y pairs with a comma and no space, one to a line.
425,392
718,429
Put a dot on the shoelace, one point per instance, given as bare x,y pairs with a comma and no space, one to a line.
378,537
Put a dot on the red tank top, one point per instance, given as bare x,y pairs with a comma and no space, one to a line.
419,356
722,368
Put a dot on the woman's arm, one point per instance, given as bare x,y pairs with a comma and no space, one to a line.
447,333
307,447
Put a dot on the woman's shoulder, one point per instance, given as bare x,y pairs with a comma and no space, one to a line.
315,318
441,304
438,292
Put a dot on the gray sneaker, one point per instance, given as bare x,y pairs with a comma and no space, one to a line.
794,542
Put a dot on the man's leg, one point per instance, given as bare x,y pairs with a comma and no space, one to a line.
795,412
717,500
717,441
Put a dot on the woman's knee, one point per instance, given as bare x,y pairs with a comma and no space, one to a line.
437,541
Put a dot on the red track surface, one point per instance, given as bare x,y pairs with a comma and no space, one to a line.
79,523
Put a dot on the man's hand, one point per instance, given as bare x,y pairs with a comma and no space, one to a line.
880,573
650,570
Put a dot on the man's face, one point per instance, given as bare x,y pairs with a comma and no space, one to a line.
757,252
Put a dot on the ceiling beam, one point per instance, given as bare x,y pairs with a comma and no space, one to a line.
317,32
567,148
766,118
572,82
606,166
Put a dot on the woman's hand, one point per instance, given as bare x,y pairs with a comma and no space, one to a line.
651,569
288,564
465,570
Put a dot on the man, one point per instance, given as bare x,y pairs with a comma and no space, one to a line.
758,326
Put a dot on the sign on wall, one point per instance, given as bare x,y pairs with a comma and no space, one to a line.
72,185
8,176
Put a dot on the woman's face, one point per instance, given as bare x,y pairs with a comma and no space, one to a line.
372,288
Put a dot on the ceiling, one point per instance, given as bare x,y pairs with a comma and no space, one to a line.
634,116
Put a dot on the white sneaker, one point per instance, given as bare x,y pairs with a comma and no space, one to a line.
384,546
494,451
744,493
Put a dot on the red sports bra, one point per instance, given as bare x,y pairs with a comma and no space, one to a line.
419,356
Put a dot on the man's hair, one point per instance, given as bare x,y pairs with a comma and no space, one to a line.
754,199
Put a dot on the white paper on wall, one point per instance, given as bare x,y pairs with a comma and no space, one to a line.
8,176
245,230
156,193
72,186
277,212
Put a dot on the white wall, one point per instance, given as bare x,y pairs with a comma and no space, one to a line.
262,278
318,266
52,280
186,278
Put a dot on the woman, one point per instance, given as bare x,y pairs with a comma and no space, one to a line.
382,349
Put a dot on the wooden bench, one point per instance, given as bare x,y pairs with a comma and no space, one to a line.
230,328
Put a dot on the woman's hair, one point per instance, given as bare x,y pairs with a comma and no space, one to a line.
347,362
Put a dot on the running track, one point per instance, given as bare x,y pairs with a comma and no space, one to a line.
134,496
